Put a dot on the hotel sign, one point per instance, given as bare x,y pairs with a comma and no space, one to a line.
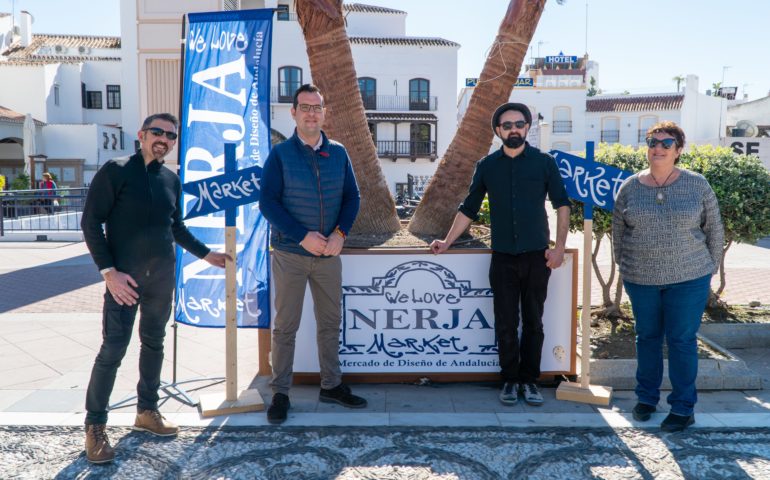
408,313
561,59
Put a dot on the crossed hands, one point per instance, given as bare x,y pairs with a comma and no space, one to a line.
318,245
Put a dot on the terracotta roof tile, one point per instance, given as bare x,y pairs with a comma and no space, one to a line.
421,41
360,7
635,103
46,48
10,116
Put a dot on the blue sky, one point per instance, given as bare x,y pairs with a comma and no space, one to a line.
640,44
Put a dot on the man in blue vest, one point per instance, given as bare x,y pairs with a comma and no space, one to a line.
310,197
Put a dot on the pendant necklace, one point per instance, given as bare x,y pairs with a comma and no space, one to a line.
659,196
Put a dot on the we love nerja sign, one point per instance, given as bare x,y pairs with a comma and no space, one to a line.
423,313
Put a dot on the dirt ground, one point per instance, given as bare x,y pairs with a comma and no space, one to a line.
478,238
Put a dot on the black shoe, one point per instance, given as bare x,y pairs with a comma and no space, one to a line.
279,408
676,423
341,394
642,412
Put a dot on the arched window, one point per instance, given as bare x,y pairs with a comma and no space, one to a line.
368,88
289,80
419,94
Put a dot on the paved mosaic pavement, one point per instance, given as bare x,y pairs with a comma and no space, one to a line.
387,453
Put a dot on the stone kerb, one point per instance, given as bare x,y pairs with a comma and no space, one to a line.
729,373
738,335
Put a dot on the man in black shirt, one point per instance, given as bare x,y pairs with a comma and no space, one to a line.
517,178
139,202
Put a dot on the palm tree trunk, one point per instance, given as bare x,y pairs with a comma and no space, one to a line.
449,184
332,69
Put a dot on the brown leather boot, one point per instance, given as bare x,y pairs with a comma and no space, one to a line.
152,421
98,449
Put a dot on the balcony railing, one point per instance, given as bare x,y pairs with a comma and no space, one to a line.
406,149
284,16
610,136
399,103
562,126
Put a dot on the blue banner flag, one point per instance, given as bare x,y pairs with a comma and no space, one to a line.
590,182
225,99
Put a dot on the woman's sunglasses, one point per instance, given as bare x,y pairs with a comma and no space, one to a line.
159,132
667,143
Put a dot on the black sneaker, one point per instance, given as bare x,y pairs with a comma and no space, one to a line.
279,408
509,394
677,423
531,394
642,412
341,394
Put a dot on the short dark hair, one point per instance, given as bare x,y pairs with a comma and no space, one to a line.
160,116
309,88
670,128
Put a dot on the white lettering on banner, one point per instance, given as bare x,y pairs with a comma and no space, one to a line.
210,116
596,185
235,189
213,307
221,72
220,41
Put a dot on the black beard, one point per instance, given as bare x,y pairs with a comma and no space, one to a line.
513,141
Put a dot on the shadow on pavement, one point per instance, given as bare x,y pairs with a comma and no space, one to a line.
36,284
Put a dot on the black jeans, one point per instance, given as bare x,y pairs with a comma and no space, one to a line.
155,298
519,278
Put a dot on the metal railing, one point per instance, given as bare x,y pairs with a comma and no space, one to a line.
562,126
405,148
610,136
35,210
390,103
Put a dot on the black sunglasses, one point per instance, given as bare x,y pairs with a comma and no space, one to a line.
159,132
667,143
509,125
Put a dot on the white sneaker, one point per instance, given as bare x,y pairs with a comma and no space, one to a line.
531,394
509,395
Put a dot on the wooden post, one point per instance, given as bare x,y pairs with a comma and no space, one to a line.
247,400
584,392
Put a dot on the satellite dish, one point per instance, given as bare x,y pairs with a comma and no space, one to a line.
749,128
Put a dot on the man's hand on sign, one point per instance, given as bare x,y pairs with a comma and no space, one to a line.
314,243
554,257
119,284
439,246
334,245
217,259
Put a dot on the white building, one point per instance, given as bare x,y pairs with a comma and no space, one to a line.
407,83
556,93
71,85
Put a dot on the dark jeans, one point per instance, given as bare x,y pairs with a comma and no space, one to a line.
673,311
519,280
155,298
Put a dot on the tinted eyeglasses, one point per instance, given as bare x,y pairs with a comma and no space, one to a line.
159,132
306,108
509,125
667,143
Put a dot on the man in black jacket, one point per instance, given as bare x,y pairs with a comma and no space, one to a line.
139,203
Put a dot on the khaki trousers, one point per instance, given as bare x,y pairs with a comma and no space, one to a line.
291,274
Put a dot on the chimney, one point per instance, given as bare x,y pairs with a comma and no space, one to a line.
25,28
691,83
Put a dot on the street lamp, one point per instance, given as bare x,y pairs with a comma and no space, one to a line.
722,129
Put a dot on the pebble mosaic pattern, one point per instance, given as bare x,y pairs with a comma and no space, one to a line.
391,453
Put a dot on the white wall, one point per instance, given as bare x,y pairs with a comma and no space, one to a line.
629,124
96,76
757,111
22,90
364,24
544,101
703,118
70,108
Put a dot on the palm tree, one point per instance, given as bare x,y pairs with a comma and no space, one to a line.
678,79
332,69
450,183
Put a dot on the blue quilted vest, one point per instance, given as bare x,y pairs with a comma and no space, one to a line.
312,187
